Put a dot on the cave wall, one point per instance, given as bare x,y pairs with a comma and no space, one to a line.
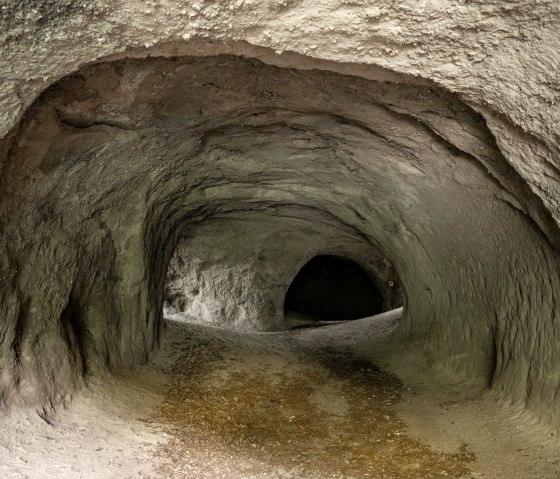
234,271
460,190
500,58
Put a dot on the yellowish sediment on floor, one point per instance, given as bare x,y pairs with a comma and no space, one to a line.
295,415
218,404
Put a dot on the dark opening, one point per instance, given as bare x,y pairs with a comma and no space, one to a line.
331,288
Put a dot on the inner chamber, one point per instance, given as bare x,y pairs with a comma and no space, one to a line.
235,271
332,288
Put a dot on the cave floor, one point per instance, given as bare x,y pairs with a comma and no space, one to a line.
301,404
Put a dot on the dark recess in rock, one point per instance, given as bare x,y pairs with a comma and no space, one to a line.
332,288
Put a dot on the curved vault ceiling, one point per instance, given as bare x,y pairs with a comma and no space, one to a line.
112,163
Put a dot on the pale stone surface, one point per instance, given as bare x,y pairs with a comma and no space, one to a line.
102,174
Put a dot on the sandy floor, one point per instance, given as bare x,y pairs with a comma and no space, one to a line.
302,404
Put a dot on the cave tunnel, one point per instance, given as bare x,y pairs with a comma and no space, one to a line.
235,271
159,196
331,288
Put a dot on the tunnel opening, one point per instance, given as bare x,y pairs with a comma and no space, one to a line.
332,288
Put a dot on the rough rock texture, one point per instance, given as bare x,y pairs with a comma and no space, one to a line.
501,58
447,159
235,271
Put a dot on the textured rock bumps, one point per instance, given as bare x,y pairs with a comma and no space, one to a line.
107,169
